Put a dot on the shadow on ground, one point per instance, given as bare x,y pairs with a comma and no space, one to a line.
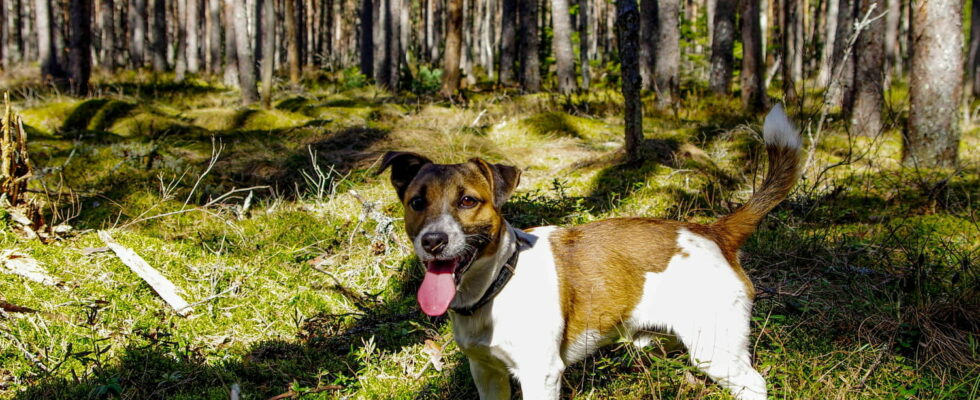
324,351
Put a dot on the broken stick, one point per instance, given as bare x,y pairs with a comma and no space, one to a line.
160,284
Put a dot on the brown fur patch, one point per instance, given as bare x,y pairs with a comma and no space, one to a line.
601,267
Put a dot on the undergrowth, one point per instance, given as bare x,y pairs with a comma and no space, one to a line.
274,225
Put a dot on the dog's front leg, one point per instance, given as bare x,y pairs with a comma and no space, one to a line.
492,381
541,381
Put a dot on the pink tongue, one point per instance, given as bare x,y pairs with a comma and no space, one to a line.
438,288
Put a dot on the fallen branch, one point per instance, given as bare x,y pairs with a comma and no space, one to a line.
160,284
292,394
17,263
9,307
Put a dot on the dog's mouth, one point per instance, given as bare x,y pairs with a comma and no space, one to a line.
439,286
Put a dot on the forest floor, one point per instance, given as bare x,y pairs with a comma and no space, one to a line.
276,227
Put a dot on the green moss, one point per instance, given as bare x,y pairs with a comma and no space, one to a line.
49,118
562,124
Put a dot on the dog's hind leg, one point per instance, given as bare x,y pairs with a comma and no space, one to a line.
492,381
718,346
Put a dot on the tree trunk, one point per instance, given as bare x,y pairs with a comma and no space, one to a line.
214,35
367,37
292,40
628,34
530,63
268,50
508,42
869,79
137,43
47,54
973,56
935,88
246,64
722,43
584,42
4,61
787,36
80,55
454,44
842,83
667,69
108,35
180,37
829,43
649,18
158,49
753,65
562,46
231,45
191,27
380,41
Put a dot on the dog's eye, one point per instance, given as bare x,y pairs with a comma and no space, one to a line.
468,202
417,203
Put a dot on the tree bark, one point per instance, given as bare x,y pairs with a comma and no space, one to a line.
829,45
753,65
180,37
869,79
214,36
47,54
137,43
842,83
158,48
454,44
787,36
973,56
108,35
231,45
584,42
667,68
530,63
628,34
562,46
935,88
508,42
192,27
268,50
80,54
649,18
722,43
367,37
292,40
246,64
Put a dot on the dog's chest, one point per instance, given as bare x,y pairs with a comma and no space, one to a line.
525,318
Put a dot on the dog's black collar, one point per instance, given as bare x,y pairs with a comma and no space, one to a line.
506,272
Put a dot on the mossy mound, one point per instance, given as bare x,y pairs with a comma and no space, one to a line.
49,118
556,123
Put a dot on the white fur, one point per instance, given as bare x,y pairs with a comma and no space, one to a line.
447,224
777,129
698,297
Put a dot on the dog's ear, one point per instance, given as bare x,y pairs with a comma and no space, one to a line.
503,180
404,166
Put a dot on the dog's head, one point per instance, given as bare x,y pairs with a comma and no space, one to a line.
452,215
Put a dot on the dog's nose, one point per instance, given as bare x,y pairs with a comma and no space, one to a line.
434,242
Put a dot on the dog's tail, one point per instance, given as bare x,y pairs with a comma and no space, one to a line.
783,148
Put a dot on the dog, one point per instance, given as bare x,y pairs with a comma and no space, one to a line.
532,303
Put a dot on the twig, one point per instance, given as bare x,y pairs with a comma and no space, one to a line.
166,289
291,394
832,91
209,298
9,307
23,349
